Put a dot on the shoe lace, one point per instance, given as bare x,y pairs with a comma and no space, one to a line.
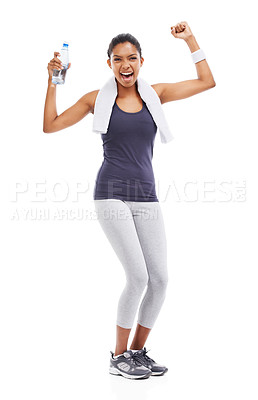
138,359
145,355
142,358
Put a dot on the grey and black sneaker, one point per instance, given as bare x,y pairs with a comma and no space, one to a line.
156,369
128,365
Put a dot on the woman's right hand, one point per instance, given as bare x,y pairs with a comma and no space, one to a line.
55,63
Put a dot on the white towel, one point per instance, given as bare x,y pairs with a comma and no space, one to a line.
107,96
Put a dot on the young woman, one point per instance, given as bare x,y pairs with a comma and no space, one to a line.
124,196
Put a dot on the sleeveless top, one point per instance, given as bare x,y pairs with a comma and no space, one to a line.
126,172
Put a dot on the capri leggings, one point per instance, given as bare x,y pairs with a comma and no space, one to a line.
136,232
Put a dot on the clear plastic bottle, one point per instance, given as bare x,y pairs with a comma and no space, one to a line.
59,75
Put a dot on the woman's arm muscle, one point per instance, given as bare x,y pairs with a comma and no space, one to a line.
73,114
181,90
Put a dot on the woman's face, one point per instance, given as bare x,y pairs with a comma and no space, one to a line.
124,59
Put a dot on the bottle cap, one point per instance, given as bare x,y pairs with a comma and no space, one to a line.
65,44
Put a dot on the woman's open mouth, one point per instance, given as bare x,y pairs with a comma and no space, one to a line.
127,77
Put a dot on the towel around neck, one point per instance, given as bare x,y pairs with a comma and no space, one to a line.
107,96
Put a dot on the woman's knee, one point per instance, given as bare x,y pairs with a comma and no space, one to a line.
159,283
137,283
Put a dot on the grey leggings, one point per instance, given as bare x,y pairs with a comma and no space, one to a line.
136,232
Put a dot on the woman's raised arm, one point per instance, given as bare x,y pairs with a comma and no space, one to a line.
180,90
52,121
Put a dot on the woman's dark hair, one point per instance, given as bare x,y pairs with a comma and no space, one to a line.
122,38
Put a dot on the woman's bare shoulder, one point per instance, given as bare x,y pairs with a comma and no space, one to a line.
91,98
158,88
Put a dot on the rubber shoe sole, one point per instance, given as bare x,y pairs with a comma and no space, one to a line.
115,371
159,373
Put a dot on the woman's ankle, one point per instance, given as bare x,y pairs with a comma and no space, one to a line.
119,352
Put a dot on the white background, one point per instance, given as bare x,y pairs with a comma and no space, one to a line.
60,278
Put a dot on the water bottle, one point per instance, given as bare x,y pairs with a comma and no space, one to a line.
59,75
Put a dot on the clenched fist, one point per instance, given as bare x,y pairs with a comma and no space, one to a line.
181,30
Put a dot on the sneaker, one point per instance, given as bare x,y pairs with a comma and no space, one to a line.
156,369
128,365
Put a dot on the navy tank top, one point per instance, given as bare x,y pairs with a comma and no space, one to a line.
126,172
